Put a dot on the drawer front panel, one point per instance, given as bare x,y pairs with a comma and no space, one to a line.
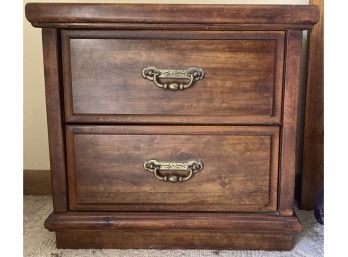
242,81
239,168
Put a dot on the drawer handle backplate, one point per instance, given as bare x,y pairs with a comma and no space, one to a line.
173,77
168,168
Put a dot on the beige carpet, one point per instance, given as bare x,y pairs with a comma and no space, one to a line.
38,242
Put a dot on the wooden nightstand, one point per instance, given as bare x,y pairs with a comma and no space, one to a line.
172,126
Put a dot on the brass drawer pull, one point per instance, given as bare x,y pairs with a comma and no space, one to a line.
192,74
156,167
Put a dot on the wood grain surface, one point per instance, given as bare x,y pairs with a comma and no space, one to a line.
241,16
290,122
173,230
176,239
313,143
54,106
262,223
106,168
242,83
105,120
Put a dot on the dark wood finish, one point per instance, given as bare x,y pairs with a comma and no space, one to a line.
89,15
313,143
105,166
290,119
55,112
172,240
250,165
242,83
174,27
172,220
37,182
173,230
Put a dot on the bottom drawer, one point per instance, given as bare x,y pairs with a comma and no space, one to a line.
172,168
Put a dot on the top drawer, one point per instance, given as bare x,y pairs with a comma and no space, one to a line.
103,76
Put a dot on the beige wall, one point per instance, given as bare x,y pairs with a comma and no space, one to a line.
35,129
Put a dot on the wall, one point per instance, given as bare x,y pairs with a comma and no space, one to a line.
35,154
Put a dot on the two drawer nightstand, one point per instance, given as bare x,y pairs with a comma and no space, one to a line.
172,126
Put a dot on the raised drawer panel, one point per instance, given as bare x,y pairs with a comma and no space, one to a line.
242,80
106,168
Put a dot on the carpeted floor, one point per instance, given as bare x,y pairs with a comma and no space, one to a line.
38,242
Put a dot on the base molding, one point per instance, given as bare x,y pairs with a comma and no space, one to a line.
171,230
174,239
37,182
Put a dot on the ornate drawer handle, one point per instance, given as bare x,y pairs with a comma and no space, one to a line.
192,74
156,167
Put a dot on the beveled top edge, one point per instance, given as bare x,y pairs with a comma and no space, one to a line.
40,14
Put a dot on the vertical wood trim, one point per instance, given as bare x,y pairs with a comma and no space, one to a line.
71,164
313,143
50,43
289,129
